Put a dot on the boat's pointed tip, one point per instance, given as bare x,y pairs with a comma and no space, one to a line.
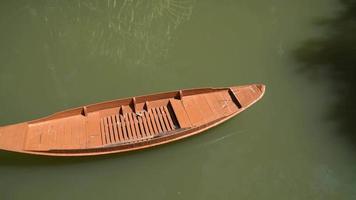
261,87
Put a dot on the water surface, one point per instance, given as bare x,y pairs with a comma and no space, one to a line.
60,54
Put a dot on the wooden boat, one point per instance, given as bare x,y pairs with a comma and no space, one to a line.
129,124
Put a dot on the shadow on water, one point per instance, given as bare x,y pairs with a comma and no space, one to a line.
333,57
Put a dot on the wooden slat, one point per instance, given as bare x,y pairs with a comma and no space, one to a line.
149,123
107,131
153,121
116,131
164,116
180,113
160,117
137,129
111,130
144,121
119,128
141,126
170,121
114,124
102,130
132,125
128,127
124,129
159,121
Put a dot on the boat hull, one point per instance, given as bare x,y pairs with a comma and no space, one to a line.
129,124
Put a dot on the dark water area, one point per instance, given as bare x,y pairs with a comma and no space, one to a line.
332,58
298,142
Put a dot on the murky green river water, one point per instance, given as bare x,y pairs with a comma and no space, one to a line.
60,54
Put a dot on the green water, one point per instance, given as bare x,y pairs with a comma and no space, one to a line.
60,54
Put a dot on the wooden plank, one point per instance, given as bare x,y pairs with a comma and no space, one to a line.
126,109
228,102
213,105
13,136
128,127
119,128
170,121
180,113
161,121
33,138
94,136
156,120
153,121
193,111
52,134
44,138
144,121
204,106
201,108
102,129
158,103
67,135
111,129
124,129
137,128
114,126
225,102
75,136
149,123
220,104
82,133
235,98
60,136
164,116
142,128
132,125
232,106
107,131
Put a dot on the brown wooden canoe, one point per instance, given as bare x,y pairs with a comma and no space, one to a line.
129,124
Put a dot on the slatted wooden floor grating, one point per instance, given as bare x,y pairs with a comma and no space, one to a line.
133,127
